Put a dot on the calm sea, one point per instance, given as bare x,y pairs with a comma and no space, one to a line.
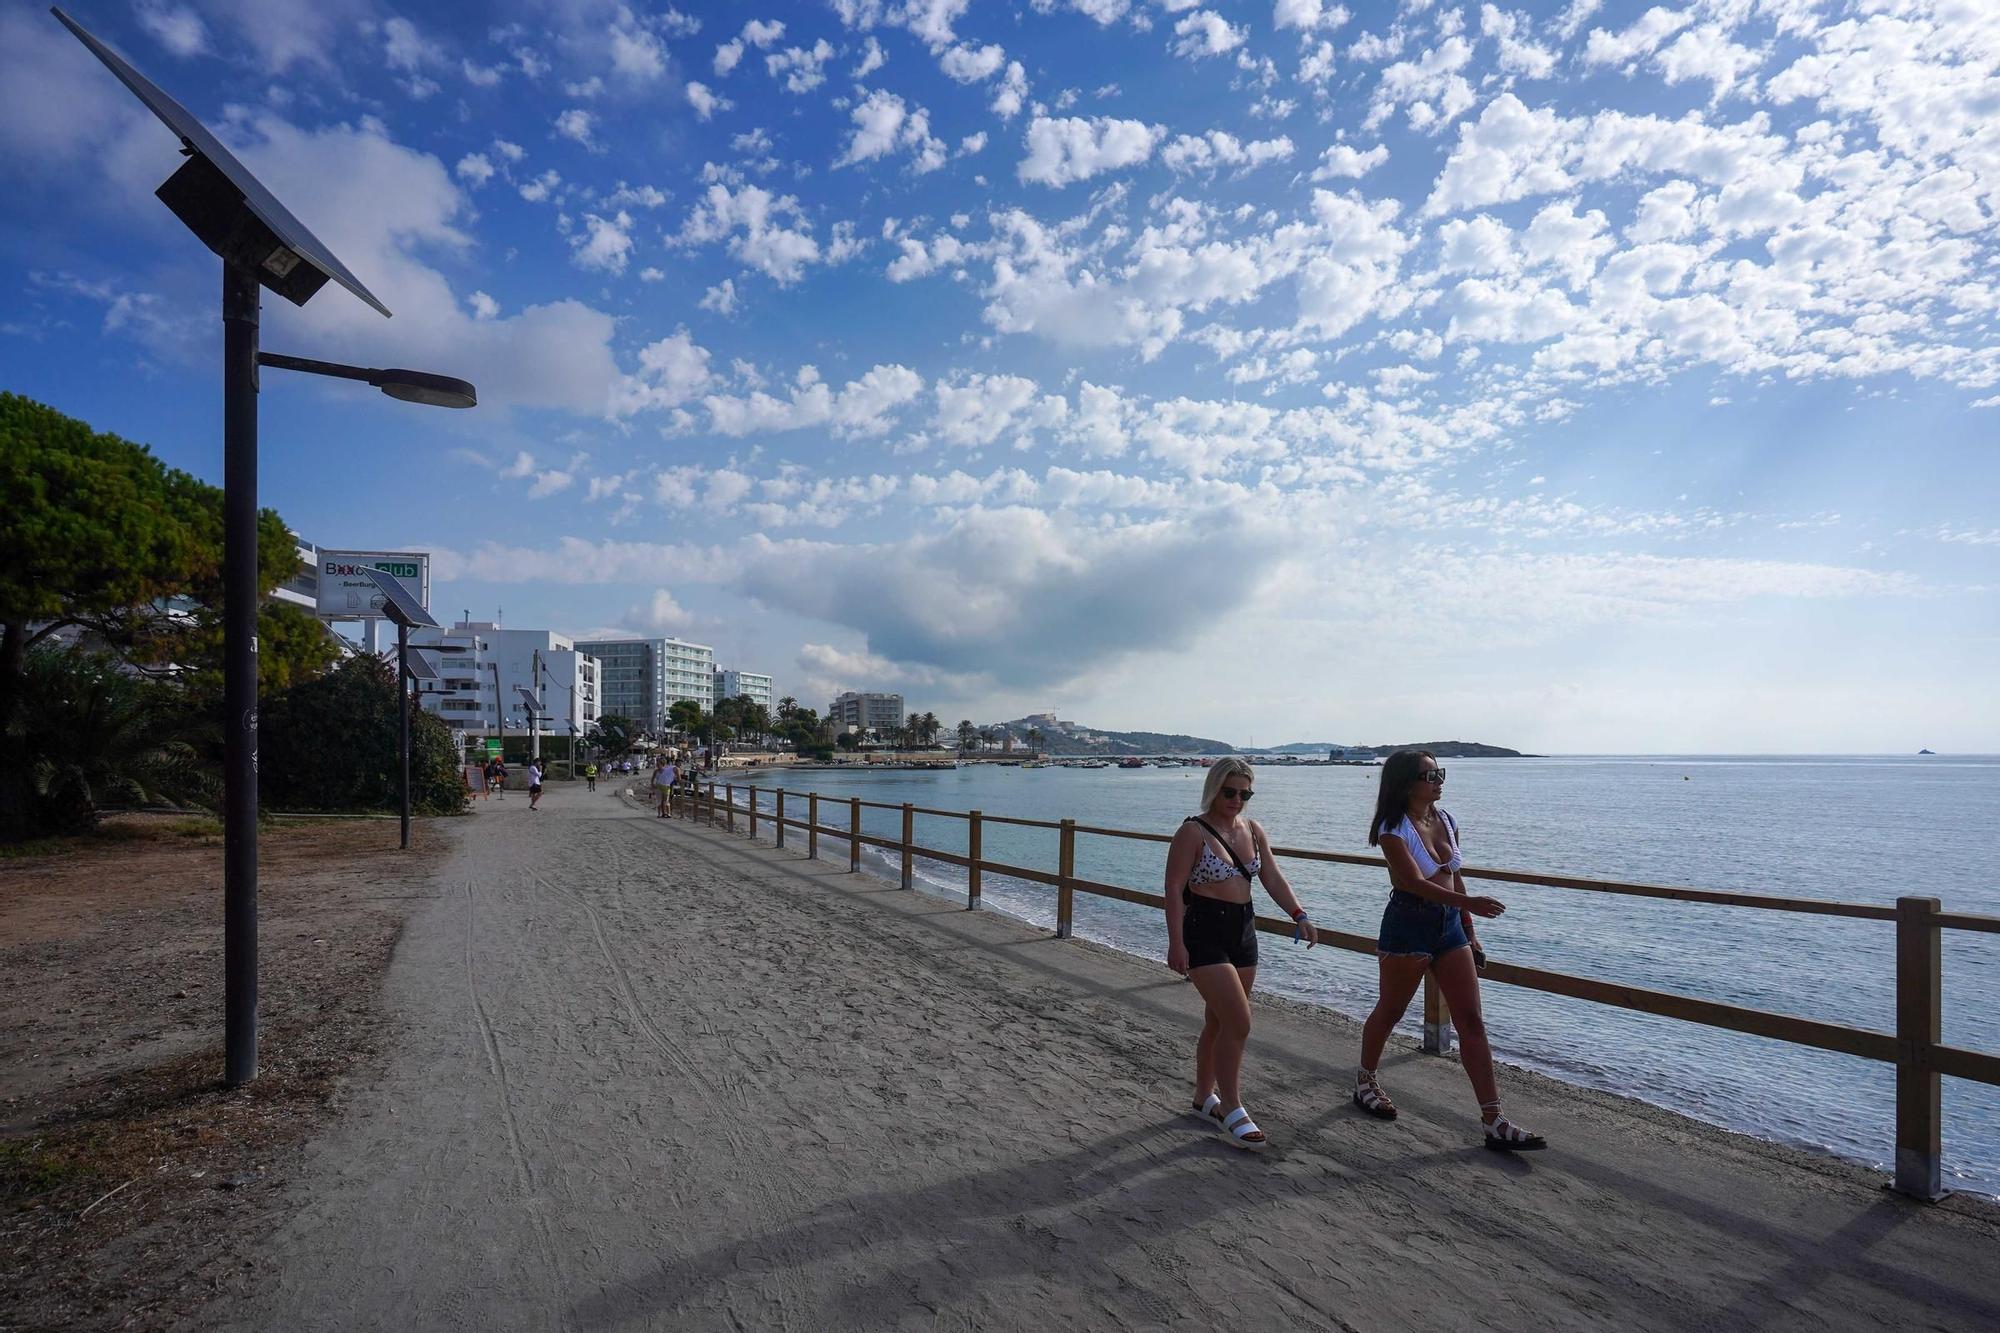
1855,828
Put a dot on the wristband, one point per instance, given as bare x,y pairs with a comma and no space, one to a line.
1299,915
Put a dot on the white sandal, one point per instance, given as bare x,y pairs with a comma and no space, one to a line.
1240,1127
1209,1108
1503,1135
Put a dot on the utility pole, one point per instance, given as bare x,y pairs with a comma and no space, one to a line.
499,714
534,719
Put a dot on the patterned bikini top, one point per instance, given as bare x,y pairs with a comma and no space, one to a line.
1212,869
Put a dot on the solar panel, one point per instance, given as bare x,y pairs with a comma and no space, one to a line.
260,201
420,665
397,604
528,698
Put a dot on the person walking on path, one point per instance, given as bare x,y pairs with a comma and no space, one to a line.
496,776
663,784
1428,926
534,784
1212,935
590,776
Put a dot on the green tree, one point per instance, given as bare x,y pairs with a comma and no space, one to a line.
331,744
614,733
967,734
91,735
685,715
100,535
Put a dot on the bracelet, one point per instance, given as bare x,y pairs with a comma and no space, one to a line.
1300,915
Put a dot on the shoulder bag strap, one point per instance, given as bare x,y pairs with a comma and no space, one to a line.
1241,869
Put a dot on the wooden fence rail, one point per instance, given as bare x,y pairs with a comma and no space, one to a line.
1915,1048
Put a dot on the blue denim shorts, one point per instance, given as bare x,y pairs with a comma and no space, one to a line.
1414,927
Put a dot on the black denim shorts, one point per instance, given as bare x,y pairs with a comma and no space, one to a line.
1219,932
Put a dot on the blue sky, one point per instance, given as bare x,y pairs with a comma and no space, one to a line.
1578,377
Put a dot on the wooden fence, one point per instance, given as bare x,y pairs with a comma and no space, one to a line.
1916,1048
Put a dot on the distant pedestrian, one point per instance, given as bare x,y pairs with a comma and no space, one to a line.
496,776
1212,935
1427,926
534,784
663,785
590,776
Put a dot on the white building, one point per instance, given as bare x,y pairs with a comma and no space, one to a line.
730,684
632,679
689,673
879,713
484,668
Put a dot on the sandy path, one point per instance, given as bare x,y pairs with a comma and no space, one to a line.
651,1076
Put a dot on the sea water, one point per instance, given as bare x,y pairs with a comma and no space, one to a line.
1859,829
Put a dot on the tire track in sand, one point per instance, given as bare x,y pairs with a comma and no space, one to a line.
524,1170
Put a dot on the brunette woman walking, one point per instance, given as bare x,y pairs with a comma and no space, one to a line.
1212,935
1427,926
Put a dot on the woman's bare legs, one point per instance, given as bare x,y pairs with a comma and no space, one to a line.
1458,980
1399,978
1219,1053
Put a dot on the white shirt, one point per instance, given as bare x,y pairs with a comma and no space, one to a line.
534,775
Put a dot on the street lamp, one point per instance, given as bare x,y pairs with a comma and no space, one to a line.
406,612
260,244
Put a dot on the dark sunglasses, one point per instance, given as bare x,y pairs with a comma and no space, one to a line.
1235,793
1434,776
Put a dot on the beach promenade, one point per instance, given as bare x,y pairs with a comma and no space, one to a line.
648,1075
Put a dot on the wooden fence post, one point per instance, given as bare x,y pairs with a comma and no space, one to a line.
853,835
1919,1026
729,804
1065,873
753,814
972,854
1437,1018
781,819
909,839
812,826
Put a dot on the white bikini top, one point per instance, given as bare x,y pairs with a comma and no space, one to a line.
1420,851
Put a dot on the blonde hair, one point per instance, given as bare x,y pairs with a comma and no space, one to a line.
1224,768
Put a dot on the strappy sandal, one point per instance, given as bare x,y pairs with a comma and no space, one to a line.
1209,1108
1503,1135
1243,1131
1368,1095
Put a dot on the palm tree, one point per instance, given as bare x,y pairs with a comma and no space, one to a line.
96,735
1035,739
967,734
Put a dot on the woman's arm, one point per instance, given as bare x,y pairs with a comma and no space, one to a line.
1280,888
1181,853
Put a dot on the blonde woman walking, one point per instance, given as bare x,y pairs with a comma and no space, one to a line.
1427,926
1212,935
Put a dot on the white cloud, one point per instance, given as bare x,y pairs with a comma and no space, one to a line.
1653,27
1307,15
1203,34
873,57
969,64
549,483
705,101
720,298
577,124
175,27
605,244
483,306
1061,152
1344,160
727,56
979,409
1216,149
882,124
750,220
802,68
637,54
1705,53
761,33
672,371
1012,93
1518,55
863,407
474,169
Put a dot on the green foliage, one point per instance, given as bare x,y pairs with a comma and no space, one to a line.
330,744
615,733
89,735
686,715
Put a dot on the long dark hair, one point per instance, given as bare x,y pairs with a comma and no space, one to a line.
1392,800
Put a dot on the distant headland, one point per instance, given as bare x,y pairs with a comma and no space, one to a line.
1051,735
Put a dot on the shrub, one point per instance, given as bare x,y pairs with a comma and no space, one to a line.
330,744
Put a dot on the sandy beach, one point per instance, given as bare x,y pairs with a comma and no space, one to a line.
648,1075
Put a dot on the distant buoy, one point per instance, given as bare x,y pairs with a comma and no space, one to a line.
1684,777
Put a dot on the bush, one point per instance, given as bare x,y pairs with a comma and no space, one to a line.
330,744
93,735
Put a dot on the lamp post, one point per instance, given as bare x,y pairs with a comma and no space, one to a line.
260,244
407,613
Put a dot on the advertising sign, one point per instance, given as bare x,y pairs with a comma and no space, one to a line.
347,593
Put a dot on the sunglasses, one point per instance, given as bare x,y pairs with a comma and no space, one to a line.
1434,776
1235,793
